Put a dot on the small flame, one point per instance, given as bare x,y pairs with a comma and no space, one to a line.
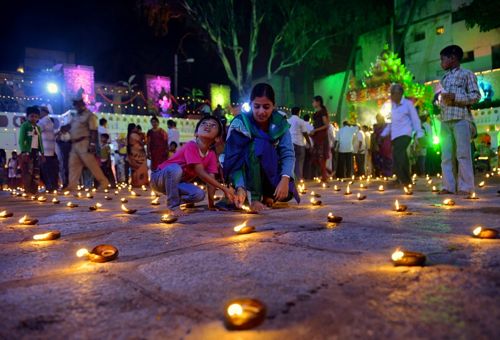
481,184
153,194
3,213
55,200
397,255
348,189
406,190
313,193
447,201
133,193
156,200
235,309
335,187
66,193
429,181
473,195
245,207
98,205
23,219
359,195
330,215
434,188
41,236
82,252
381,188
477,231
240,226
313,200
324,185
124,208
69,204
361,185
396,204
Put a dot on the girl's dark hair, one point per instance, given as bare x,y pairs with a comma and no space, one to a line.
32,109
154,119
319,99
130,127
263,90
219,124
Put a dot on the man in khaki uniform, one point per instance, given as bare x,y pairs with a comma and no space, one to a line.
83,149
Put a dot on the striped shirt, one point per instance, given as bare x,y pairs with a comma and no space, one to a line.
463,84
48,135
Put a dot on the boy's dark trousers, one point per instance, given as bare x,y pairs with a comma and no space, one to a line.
30,171
49,172
108,172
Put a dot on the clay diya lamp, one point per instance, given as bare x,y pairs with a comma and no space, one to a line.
247,210
156,201
55,200
472,196
127,210
71,205
408,191
434,189
41,199
333,219
144,188
108,198
362,186
360,197
399,207
449,202
481,184
168,219
66,193
348,190
315,201
243,228
48,236
6,214
313,194
106,191
481,232
324,185
95,206
408,258
123,200
25,220
135,194
381,188
336,188
89,195
101,253
241,314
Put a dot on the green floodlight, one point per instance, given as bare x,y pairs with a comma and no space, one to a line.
435,140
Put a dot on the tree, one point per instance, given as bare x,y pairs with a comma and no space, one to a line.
282,33
483,13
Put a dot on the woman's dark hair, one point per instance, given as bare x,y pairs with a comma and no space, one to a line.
306,118
31,110
103,121
455,50
263,90
130,128
319,99
295,111
154,119
219,124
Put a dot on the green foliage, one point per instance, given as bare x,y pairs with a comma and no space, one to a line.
484,13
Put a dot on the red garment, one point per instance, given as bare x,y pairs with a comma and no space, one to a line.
157,146
189,155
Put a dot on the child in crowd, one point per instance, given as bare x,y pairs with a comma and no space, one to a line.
172,148
194,160
14,172
31,145
105,159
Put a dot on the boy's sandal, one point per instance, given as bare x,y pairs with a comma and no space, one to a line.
445,192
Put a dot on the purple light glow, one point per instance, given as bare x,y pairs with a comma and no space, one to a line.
78,78
155,85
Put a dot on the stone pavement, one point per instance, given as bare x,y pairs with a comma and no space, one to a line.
318,282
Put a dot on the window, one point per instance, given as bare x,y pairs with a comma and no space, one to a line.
419,36
468,57
495,56
440,30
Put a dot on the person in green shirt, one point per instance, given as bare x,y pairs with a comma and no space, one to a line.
31,145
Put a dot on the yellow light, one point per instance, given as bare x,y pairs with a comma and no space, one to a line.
23,219
397,255
66,193
481,184
82,252
396,204
381,188
477,231
3,213
240,226
234,309
41,236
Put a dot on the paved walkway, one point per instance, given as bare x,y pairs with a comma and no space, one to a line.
172,281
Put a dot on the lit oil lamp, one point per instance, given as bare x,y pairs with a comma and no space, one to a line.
66,193
123,200
95,206
101,253
144,188
106,191
168,219
429,182
117,192
487,176
127,210
481,184
133,193
348,190
25,220
408,191
42,199
244,314
381,188
6,214
362,186
324,185
449,202
71,205
336,188
408,258
89,195
481,232
155,201
360,197
313,194
243,228
399,207
434,189
94,190
216,198
472,196
108,198
333,219
33,198
78,195
48,236
24,194
153,194
55,200
315,201
86,189
247,210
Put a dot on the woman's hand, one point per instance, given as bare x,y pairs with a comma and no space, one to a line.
229,193
257,206
312,133
281,191
240,197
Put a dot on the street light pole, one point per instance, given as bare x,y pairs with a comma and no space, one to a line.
176,70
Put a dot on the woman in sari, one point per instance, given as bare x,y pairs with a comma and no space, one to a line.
321,149
136,157
157,141
259,157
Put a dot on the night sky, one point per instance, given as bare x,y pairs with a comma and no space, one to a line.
112,36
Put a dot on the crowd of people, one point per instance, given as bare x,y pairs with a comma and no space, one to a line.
256,160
